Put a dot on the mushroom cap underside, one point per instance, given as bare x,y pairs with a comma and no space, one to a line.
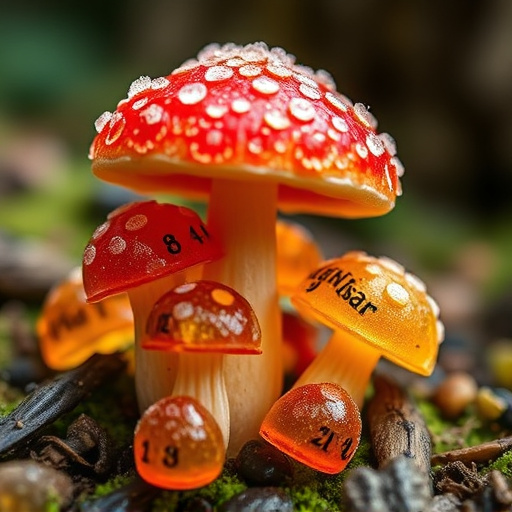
335,197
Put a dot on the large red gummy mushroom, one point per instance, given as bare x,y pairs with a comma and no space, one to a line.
144,249
251,130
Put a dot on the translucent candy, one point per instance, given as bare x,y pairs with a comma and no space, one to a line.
297,255
70,330
203,316
178,445
300,340
141,242
270,103
316,424
375,300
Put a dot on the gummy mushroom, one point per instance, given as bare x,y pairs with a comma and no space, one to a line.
375,309
250,130
178,445
297,255
70,330
202,320
144,249
317,424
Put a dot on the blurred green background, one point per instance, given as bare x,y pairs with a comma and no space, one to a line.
436,74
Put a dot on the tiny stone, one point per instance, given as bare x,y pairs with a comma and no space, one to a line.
27,485
259,499
457,391
259,463
401,486
137,495
444,503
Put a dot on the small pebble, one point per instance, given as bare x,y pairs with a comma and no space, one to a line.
259,463
400,487
27,486
134,496
455,393
444,503
259,499
499,355
495,404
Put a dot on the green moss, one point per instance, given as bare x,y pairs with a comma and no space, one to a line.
503,464
222,489
219,491
9,398
110,486
108,406
52,504
310,500
467,430
312,491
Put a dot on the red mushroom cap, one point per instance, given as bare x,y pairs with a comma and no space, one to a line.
141,242
250,113
203,316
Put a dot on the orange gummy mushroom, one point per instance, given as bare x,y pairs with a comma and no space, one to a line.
376,309
203,320
251,131
316,424
300,339
144,249
178,445
297,255
70,330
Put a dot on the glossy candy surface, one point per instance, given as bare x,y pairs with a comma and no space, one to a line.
203,316
300,343
316,424
142,241
249,112
178,445
70,330
297,255
380,303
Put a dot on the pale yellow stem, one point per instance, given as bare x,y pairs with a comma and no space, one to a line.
243,216
155,370
345,361
200,376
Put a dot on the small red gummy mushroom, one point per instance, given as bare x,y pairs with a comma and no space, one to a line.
252,131
145,249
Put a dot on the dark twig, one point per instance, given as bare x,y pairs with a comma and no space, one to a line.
396,426
86,446
50,401
479,454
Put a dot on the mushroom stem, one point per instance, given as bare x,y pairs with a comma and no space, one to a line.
345,361
243,217
200,376
155,371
